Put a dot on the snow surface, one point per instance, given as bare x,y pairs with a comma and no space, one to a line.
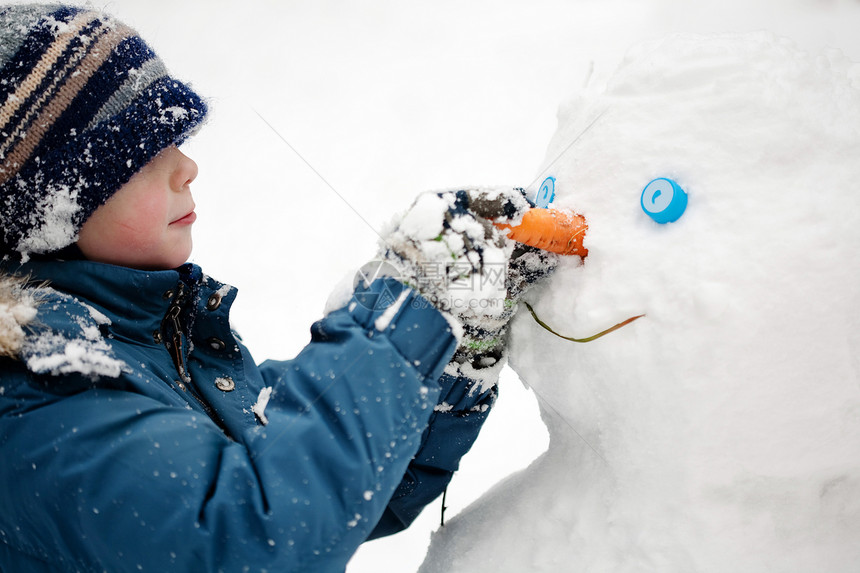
384,99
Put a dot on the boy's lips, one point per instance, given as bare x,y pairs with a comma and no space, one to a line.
186,219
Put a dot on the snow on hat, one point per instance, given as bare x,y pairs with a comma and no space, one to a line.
84,104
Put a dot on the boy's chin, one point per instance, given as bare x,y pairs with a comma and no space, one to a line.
174,256
144,262
166,263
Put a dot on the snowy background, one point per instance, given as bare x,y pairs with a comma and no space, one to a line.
380,100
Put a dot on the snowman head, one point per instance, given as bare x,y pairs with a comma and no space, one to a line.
742,382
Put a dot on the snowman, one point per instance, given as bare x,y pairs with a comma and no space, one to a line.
721,431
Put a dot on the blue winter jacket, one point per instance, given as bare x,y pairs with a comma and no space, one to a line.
132,428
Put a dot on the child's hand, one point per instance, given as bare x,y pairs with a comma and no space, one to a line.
447,248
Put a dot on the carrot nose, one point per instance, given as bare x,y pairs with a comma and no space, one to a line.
555,230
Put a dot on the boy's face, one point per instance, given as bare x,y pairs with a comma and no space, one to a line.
147,223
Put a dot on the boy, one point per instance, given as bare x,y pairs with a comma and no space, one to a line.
137,433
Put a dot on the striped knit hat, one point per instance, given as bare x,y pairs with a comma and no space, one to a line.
84,104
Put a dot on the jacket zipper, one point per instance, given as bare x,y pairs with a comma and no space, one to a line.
177,348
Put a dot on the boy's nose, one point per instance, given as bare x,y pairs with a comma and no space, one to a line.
184,172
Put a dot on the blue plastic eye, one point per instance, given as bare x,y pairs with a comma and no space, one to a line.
664,200
546,193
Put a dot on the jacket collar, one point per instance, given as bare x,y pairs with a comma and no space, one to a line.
135,301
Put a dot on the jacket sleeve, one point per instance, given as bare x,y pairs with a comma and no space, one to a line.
463,407
92,469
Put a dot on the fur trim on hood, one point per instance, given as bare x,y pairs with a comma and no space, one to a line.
17,310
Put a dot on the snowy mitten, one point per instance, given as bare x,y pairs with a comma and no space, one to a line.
528,266
484,342
447,248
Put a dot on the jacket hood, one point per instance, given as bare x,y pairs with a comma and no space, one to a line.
52,332
17,310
